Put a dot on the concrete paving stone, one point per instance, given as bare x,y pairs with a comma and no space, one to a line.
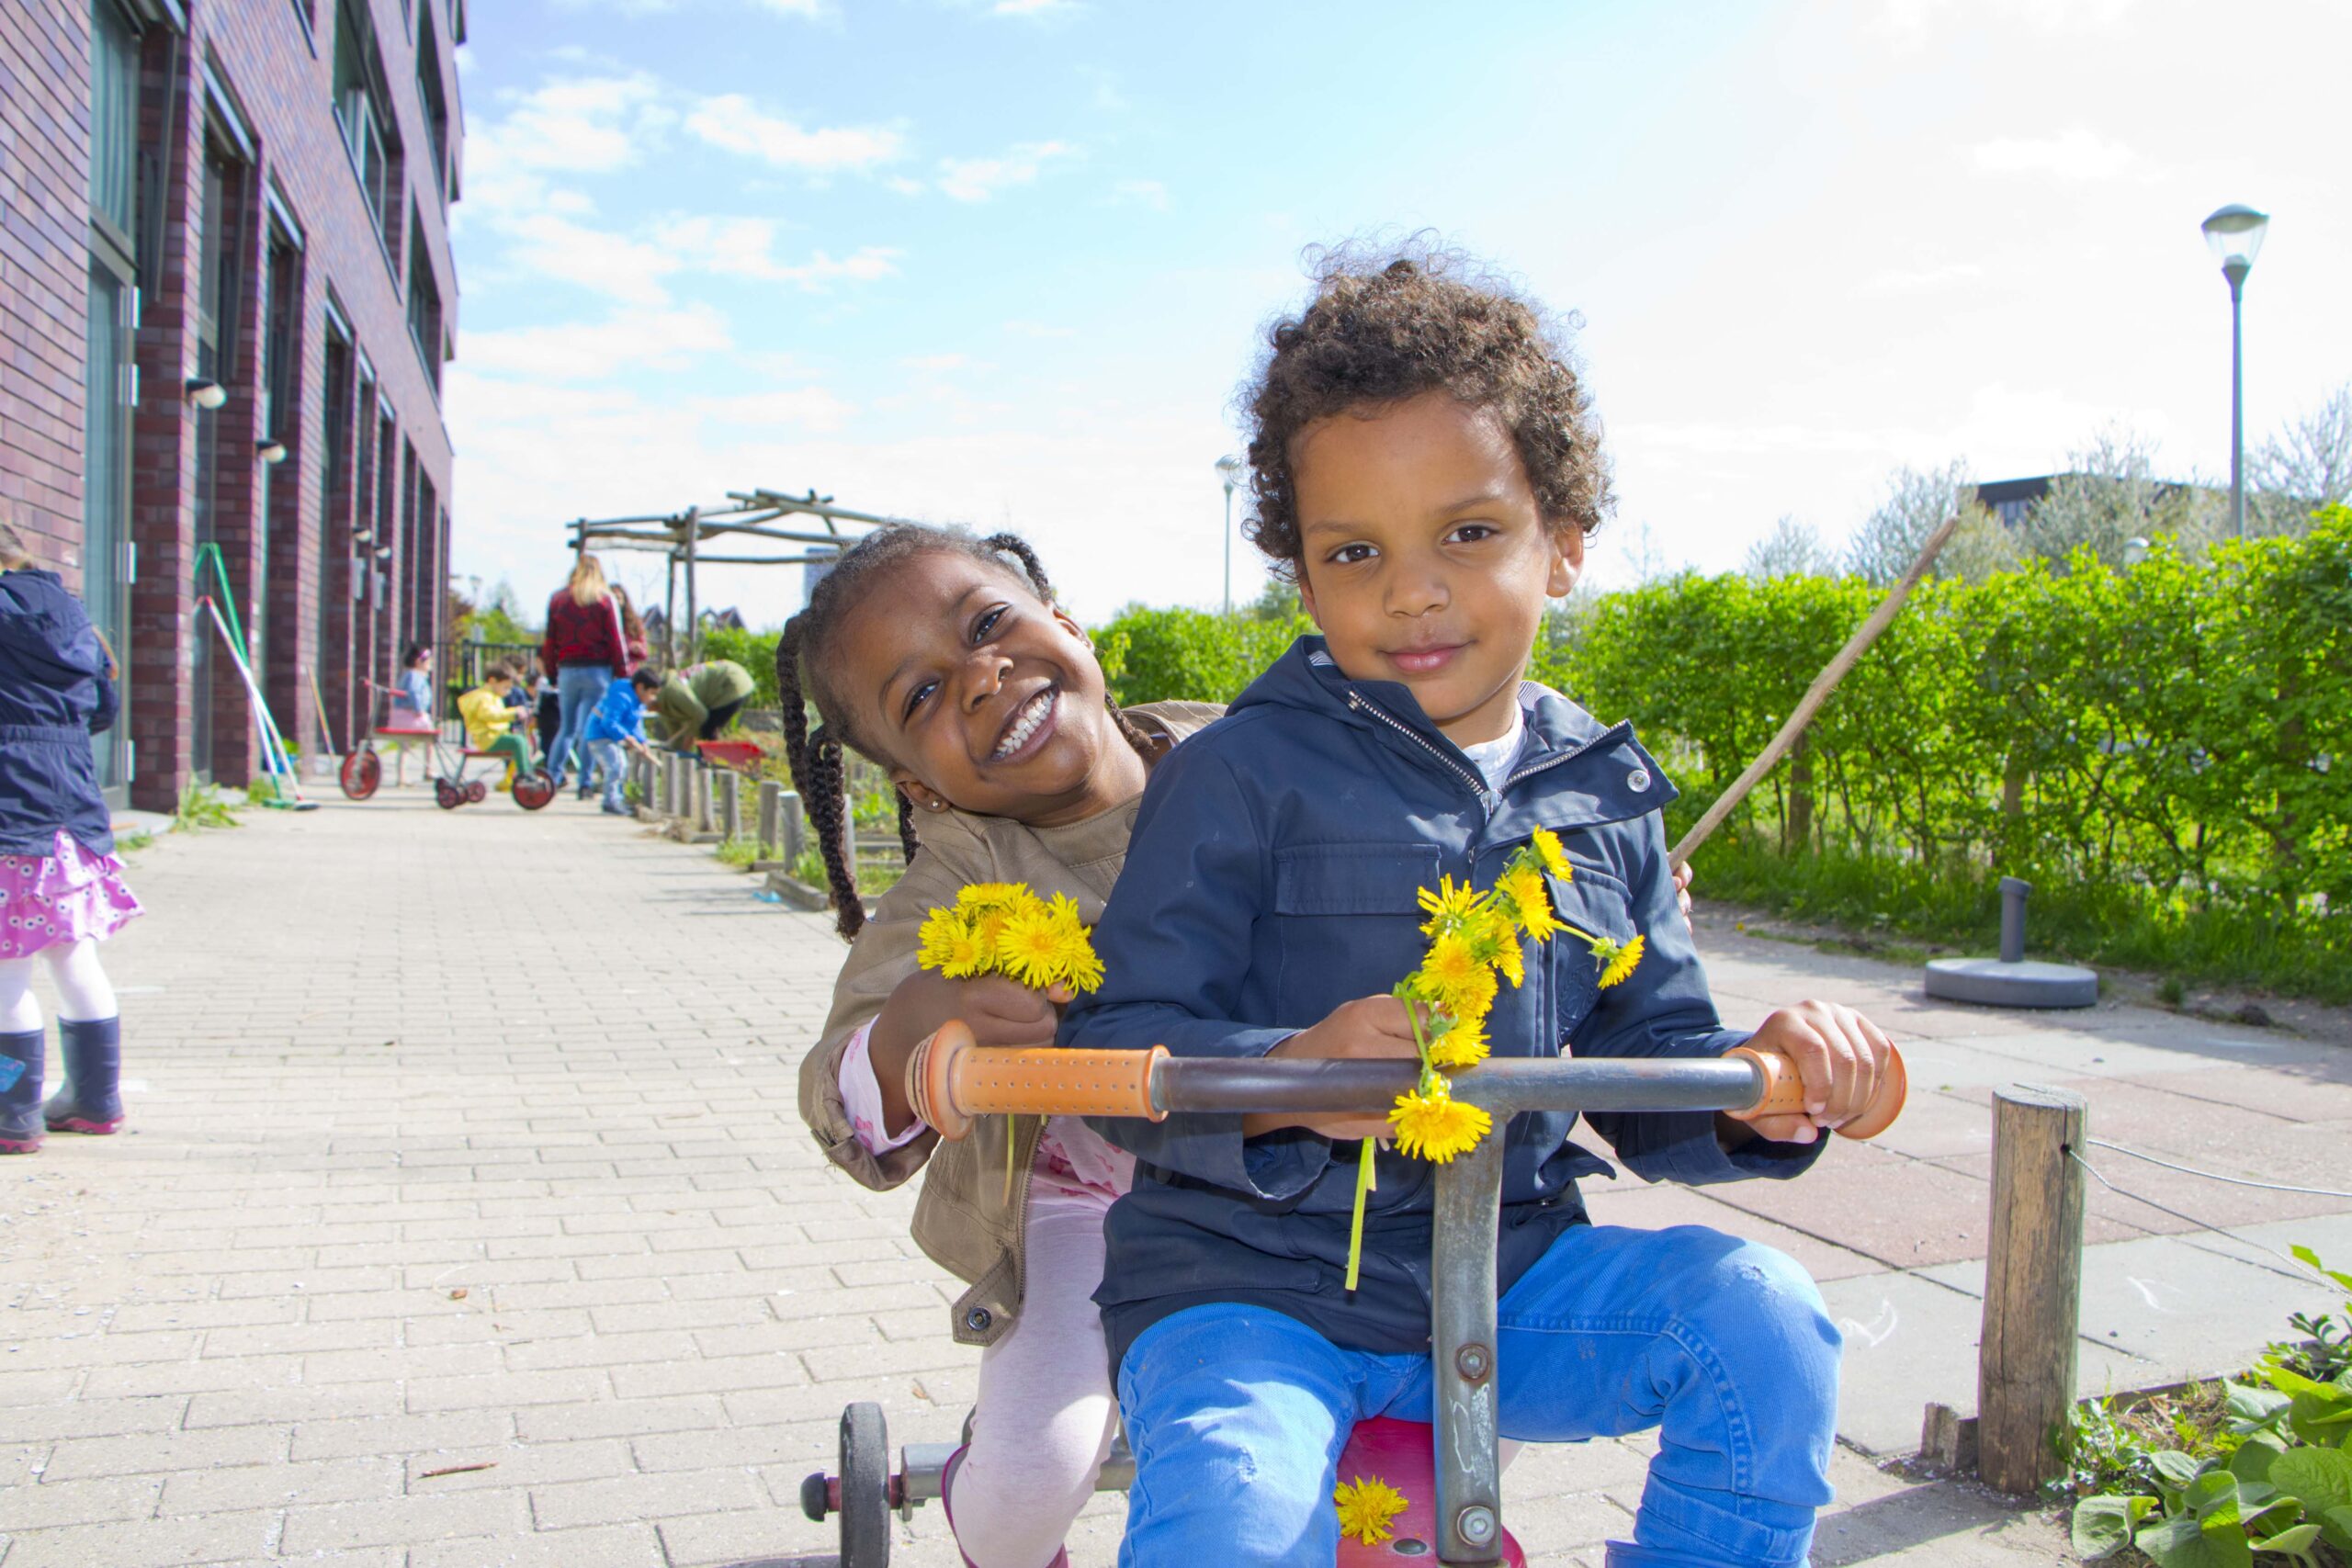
2184,1310
335,1527
606,1546
40,1388
401,1434
135,1317
96,1501
600,1350
97,1417
485,1325
191,1377
712,1539
634,1318
626,1498
145,1544
44,1348
302,1338
798,1447
283,1406
1911,1338
1570,1519
649,1380
2126,1200
157,1452
848,1333
1887,1520
617,1419
280,1485
516,1466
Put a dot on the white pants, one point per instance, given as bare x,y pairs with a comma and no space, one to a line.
83,994
1046,1413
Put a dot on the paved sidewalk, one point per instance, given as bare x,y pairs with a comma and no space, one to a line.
464,1219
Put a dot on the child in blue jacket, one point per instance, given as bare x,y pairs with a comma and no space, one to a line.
1425,466
617,721
61,891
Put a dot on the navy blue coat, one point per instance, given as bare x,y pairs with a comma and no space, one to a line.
54,692
1273,876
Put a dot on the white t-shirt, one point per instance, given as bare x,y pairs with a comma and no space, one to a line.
1494,759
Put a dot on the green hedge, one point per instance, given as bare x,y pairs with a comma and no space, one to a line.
2165,751
754,651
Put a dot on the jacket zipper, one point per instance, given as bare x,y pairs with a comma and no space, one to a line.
1476,787
1568,756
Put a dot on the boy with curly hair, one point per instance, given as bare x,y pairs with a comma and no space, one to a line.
1427,467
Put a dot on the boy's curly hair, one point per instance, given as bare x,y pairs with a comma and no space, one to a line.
1413,319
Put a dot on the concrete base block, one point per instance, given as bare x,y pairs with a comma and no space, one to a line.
797,894
1989,982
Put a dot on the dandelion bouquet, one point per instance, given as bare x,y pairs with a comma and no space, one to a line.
1475,944
1003,928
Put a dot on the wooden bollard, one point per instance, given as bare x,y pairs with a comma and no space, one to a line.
2033,1280
730,805
701,773
677,800
771,826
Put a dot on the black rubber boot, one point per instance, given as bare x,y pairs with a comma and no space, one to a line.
90,1100
20,1054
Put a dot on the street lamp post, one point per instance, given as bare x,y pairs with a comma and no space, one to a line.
2235,232
1230,469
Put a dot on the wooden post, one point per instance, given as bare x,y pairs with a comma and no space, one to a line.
771,818
2033,1277
674,796
704,818
730,805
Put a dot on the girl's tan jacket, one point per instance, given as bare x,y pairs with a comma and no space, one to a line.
962,1220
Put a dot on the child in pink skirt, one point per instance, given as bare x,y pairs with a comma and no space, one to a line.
61,886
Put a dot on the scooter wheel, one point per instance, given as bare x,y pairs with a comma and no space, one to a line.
361,772
447,795
477,791
865,1488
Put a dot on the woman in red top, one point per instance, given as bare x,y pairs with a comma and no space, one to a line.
584,648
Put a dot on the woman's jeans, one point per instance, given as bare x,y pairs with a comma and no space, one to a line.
1238,1414
579,687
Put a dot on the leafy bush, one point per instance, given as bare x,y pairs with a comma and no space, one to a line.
1151,655
755,651
2270,1471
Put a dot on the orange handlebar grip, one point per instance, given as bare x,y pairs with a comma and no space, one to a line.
1784,1093
951,1080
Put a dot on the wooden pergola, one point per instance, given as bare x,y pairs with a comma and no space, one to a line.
762,521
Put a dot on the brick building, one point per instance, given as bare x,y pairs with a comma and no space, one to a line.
226,296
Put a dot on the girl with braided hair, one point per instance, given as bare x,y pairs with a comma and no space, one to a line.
943,659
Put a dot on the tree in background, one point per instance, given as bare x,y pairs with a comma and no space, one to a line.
1791,550
2307,466
2111,496
498,618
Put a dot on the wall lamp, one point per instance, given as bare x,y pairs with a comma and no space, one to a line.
361,535
205,394
271,452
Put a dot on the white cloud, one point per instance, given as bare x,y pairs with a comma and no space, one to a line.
550,246
935,363
734,123
745,247
810,408
978,179
2074,155
1140,193
578,125
584,351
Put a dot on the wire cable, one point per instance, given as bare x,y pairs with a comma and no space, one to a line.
2303,1273
2216,1176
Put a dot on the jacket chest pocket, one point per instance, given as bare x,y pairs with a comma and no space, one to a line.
1347,920
1594,901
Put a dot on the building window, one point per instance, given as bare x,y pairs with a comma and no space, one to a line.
363,108
423,305
436,102
114,122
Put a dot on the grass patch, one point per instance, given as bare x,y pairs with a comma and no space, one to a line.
738,853
1883,898
201,806
134,842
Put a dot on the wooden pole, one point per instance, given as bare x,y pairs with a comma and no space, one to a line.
770,818
2033,1277
1815,695
694,625
730,805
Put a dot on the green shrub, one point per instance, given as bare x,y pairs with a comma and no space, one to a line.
755,651
1151,655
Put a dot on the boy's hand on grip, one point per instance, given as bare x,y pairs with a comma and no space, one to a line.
1370,1028
1838,1054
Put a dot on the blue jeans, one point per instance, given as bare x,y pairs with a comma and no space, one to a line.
579,688
1238,1414
604,757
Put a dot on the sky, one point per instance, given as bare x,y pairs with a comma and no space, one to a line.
1005,263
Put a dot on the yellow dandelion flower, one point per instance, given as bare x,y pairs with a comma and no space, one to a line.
968,954
991,894
1366,1507
1622,963
1033,948
1436,1127
937,938
1546,845
1464,1044
1081,969
1522,893
1448,905
1452,979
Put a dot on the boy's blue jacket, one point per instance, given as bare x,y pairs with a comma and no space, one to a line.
620,716
1273,876
54,692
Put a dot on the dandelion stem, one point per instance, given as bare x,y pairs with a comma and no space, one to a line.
1365,1181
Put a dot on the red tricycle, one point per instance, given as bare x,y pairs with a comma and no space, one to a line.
450,766
1450,1471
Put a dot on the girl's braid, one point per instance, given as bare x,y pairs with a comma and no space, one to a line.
907,841
816,767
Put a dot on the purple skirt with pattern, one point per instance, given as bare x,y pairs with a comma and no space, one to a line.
62,896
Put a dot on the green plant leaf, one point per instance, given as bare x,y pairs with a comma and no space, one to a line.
2175,1467
2296,1542
2310,1259
2254,1457
2321,1477
2213,1498
2103,1525
2183,1542
2335,1523
2254,1405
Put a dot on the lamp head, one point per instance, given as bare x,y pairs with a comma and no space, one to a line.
2236,233
271,452
205,394
1231,468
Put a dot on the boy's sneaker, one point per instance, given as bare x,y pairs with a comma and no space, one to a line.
617,808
